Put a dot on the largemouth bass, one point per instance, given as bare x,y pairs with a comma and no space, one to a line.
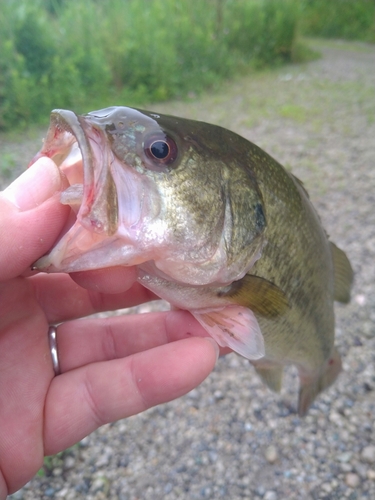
214,225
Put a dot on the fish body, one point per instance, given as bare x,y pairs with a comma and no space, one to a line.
214,225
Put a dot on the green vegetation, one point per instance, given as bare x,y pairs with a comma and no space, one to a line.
348,19
7,164
51,462
84,53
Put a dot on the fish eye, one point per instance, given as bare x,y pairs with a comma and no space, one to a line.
161,149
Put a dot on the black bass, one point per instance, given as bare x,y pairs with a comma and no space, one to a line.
214,225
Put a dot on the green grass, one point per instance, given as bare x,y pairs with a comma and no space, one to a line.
52,462
7,165
294,112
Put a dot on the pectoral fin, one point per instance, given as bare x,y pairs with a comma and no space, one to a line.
259,295
235,327
343,273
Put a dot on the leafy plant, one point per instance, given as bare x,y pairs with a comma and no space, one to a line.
348,19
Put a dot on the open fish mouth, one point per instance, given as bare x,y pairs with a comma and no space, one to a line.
80,148
81,152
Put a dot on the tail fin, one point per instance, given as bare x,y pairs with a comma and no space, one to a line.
312,385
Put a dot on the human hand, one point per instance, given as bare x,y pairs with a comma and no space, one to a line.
111,368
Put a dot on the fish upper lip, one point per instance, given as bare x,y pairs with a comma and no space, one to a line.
67,129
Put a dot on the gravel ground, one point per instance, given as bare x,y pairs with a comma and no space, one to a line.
231,437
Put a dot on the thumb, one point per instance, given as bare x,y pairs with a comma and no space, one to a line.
34,186
31,217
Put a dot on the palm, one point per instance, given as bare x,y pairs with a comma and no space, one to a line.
111,367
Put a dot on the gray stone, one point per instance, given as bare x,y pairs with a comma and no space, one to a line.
352,480
271,454
368,454
270,495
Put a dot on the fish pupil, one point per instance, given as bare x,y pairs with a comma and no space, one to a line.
160,149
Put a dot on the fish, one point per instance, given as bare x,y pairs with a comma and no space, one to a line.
213,224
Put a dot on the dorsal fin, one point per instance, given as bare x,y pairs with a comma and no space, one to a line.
259,295
343,274
301,184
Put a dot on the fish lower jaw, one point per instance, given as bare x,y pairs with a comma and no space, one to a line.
81,249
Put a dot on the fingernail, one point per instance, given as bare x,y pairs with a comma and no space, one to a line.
34,186
215,345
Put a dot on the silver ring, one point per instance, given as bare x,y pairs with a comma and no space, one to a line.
53,348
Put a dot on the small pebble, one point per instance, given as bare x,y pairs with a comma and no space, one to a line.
218,395
352,480
336,418
344,457
62,493
168,488
346,467
105,458
326,487
98,484
368,454
85,442
260,491
270,495
69,462
271,454
321,452
360,299
49,492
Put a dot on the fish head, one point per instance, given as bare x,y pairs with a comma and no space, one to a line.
157,191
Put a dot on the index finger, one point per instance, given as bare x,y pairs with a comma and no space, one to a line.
106,391
63,299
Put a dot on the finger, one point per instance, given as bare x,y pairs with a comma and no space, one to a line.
31,217
111,280
3,487
92,340
62,299
26,372
81,400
